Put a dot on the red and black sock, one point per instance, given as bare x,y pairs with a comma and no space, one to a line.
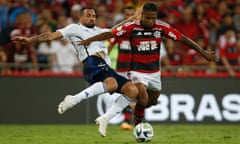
138,114
127,112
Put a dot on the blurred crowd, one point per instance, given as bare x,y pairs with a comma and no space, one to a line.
213,24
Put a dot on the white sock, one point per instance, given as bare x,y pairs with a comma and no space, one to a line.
120,103
92,90
109,99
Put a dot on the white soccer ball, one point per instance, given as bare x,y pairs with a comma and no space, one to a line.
143,132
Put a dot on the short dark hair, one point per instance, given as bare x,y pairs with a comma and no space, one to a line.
84,8
150,6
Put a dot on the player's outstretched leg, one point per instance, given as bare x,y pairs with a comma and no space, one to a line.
66,104
70,101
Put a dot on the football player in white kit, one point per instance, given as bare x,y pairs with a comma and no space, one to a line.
96,68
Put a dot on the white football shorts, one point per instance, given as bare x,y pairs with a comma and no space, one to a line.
151,80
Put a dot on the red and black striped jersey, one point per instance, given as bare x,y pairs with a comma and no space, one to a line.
124,54
145,43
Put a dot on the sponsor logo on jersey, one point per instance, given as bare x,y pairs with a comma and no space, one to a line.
147,33
157,34
147,45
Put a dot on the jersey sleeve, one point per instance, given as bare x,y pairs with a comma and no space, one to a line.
68,31
171,32
122,30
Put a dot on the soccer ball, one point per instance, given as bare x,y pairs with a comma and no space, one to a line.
143,132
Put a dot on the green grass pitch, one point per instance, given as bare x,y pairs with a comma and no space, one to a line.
87,134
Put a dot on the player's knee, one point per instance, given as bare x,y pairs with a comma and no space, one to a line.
113,87
133,91
111,84
130,90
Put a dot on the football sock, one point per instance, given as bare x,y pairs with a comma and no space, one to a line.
127,117
127,112
120,103
94,89
138,114
109,99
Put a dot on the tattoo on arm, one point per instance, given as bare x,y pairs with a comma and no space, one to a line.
45,37
39,38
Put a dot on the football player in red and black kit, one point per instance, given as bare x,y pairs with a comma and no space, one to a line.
145,37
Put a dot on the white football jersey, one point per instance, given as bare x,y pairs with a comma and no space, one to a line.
78,32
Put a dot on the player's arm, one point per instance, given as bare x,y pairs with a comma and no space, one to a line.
99,37
38,38
208,55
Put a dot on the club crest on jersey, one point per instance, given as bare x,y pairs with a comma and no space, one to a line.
157,34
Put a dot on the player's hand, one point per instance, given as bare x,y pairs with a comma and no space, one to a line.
21,39
211,56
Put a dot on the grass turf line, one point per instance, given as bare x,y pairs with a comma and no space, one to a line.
87,134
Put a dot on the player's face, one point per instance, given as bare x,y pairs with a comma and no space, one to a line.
128,12
148,19
88,19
